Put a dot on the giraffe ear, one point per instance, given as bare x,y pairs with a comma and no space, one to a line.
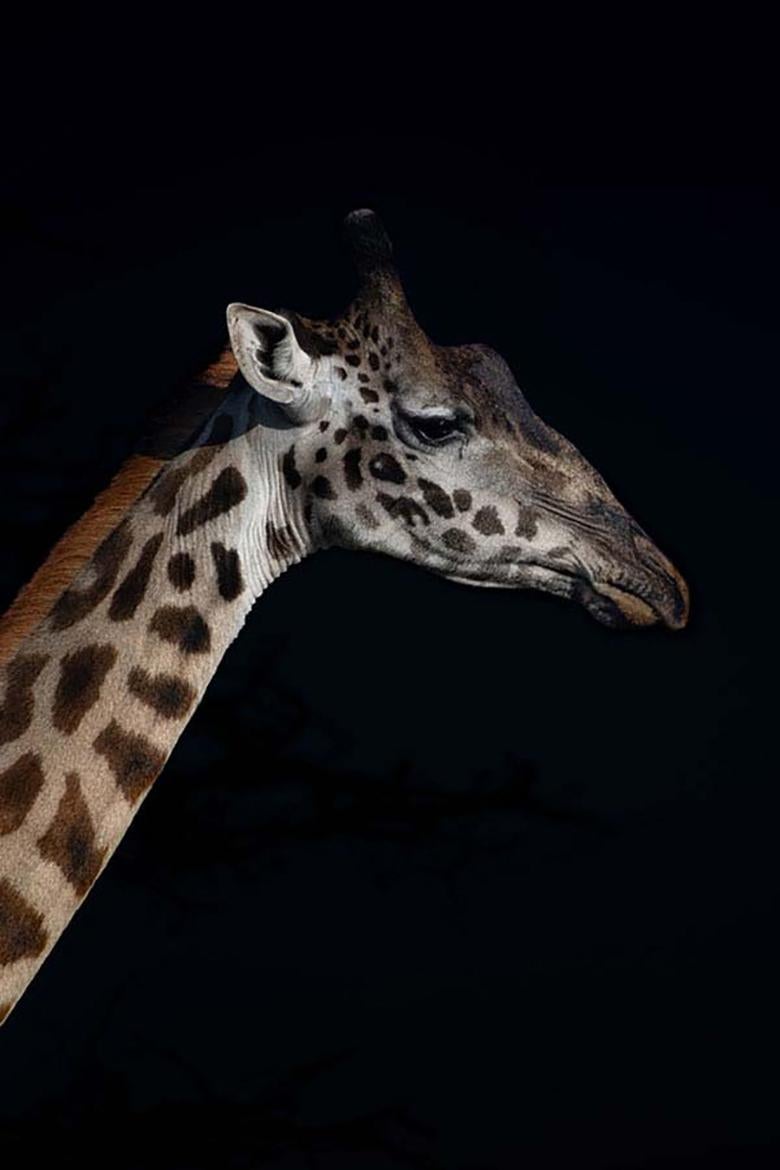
273,362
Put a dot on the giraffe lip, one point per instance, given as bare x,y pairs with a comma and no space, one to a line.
615,605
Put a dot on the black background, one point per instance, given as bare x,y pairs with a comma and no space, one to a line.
436,877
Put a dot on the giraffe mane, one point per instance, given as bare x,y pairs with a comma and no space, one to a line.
80,542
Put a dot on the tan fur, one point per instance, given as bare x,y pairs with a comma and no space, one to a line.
78,545
222,371
74,550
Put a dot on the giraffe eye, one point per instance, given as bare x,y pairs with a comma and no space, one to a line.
434,429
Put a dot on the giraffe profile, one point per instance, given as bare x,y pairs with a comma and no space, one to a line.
304,434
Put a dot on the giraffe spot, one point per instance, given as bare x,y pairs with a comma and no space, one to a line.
459,541
389,385
21,927
352,473
379,433
436,498
339,435
228,566
462,499
69,840
404,506
184,627
385,466
365,378
165,491
19,786
289,470
352,359
526,522
202,458
375,334
133,760
78,688
74,604
373,360
322,488
279,540
366,516
324,424
166,694
487,521
353,343
321,455
360,424
129,595
368,395
181,571
16,711
227,490
342,373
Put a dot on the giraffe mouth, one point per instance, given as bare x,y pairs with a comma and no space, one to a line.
617,605
645,591
626,600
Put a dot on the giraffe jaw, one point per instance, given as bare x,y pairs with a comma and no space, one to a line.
610,604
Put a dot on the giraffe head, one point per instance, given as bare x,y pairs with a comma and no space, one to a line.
432,454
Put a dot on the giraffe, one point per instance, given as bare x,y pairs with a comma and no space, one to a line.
304,434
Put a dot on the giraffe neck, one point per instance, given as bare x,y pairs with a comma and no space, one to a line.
98,691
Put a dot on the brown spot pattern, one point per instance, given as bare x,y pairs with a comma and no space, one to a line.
129,595
352,473
70,839
21,927
181,571
78,688
163,494
19,786
289,470
404,506
526,522
366,516
134,762
459,541
74,604
488,522
166,694
436,498
228,565
16,711
385,466
279,540
184,627
462,499
227,490
321,487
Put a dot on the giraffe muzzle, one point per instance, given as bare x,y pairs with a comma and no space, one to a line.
647,589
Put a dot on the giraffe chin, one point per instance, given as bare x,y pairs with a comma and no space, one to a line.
616,607
608,604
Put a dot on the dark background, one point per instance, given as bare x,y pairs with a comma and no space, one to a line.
436,877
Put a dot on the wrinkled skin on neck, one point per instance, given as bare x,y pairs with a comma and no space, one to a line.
432,454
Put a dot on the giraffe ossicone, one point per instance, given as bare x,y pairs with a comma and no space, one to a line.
304,434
